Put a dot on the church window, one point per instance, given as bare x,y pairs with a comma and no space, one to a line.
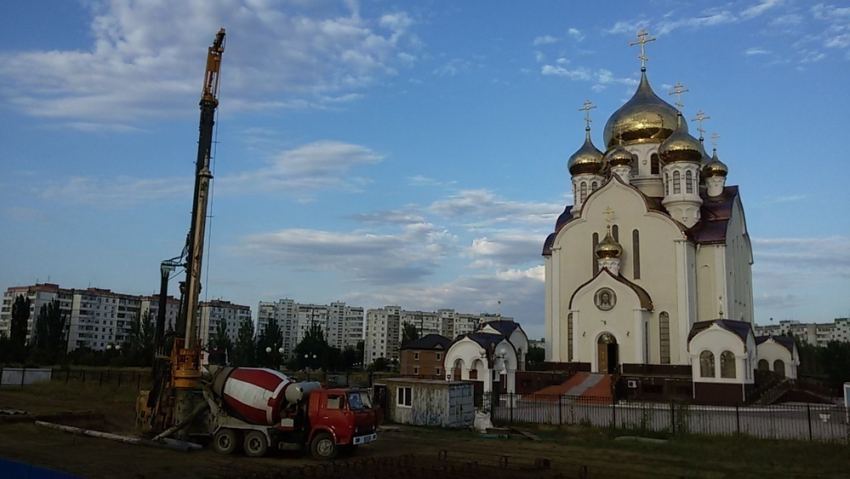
666,184
593,253
664,336
583,191
570,337
636,253
677,183
763,365
689,182
727,364
779,367
593,186
706,364
634,171
615,232
653,160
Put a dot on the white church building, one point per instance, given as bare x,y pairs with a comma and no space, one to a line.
650,268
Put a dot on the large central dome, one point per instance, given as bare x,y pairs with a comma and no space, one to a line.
644,118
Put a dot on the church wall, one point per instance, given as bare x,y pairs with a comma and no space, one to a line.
645,181
739,267
711,281
547,309
659,263
771,351
620,322
717,340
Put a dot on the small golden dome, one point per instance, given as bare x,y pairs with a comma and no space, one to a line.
645,118
588,158
715,167
618,156
608,247
681,146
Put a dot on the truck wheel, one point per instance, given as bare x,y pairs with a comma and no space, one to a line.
256,444
226,441
323,447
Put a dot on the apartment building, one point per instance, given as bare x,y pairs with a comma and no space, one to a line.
212,313
812,333
385,326
341,325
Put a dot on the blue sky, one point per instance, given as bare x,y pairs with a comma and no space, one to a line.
409,153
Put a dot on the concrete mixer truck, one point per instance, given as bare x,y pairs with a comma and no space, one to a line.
262,408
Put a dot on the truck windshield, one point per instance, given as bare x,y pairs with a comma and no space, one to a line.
358,400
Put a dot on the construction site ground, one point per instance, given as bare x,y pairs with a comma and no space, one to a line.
401,451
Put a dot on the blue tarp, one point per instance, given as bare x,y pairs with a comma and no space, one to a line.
19,470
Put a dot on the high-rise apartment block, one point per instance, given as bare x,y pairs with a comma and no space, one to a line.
98,318
385,326
213,313
818,334
341,325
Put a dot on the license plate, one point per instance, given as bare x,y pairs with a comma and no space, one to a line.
364,439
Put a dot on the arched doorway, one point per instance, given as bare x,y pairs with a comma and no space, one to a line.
779,367
607,353
457,370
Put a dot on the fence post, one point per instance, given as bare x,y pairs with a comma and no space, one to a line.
613,414
119,378
809,415
560,409
101,379
138,381
738,419
511,399
84,375
67,374
23,375
672,417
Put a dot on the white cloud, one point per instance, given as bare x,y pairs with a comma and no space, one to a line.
484,207
630,27
544,40
304,170
756,51
452,67
147,59
506,249
792,262
576,34
601,78
759,9
114,193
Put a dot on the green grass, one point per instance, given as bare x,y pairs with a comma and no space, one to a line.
58,396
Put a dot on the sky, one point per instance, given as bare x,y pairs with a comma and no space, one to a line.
401,153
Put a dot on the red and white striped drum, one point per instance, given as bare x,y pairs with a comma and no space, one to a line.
256,395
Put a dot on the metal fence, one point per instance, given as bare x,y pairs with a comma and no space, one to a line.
23,376
104,377
814,422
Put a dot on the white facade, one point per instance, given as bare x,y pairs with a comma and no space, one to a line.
818,334
212,313
494,352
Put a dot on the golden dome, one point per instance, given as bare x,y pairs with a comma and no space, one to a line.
715,167
588,158
681,146
618,156
645,118
608,247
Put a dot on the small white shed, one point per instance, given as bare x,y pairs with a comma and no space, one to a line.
430,402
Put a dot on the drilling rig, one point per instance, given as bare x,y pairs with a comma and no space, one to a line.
173,401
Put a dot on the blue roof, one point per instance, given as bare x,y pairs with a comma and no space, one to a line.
429,341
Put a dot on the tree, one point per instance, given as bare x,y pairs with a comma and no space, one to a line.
244,351
314,344
49,335
220,342
409,333
19,326
271,337
534,358
138,348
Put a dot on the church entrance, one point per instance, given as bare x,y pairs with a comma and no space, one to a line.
606,353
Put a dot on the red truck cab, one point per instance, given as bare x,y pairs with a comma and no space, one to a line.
340,419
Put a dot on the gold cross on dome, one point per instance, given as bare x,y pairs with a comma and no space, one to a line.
642,41
678,89
587,107
608,212
714,137
700,117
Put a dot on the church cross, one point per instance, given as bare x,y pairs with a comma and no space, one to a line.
608,212
642,41
714,137
587,107
678,89
700,117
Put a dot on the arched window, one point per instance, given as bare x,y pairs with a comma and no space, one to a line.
593,186
615,232
583,191
636,253
570,337
763,365
706,364
664,336
779,367
654,166
677,183
634,172
727,364
593,253
666,184
689,182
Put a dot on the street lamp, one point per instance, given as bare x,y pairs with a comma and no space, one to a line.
275,358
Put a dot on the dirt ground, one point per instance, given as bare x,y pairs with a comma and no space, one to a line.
400,451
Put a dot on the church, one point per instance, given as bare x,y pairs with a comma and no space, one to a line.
648,274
